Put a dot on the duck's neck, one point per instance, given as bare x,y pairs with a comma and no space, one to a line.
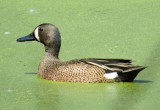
52,51
49,57
53,47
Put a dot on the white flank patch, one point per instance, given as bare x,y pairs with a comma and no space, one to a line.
36,33
111,75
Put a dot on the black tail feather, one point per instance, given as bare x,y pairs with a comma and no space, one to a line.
129,76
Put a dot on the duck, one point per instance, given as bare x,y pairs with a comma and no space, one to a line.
86,70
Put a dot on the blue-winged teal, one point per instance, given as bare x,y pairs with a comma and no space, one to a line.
80,70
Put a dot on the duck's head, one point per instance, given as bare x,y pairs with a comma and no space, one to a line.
47,34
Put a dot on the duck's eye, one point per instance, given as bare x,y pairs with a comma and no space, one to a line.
40,29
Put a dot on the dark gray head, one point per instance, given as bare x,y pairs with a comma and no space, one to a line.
47,34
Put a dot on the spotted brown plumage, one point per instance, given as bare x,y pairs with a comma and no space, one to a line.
87,70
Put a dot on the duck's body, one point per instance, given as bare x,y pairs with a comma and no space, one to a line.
83,70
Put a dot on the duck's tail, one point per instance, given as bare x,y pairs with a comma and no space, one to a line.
130,74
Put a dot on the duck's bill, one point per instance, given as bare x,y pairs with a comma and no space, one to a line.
26,38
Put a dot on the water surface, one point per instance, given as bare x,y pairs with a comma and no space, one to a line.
97,29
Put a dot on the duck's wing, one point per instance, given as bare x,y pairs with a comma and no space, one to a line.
122,68
110,64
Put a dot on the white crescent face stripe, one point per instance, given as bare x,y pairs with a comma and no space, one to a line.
36,33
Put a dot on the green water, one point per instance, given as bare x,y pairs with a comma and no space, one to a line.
89,28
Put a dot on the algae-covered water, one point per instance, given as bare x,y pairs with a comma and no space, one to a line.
89,28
